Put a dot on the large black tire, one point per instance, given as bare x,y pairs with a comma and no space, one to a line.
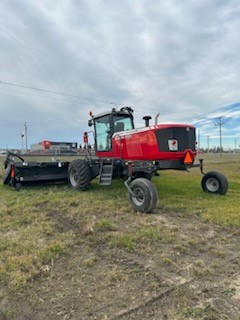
79,175
145,195
214,182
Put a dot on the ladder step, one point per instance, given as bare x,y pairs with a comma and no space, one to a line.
106,170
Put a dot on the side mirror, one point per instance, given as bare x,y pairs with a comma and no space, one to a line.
90,123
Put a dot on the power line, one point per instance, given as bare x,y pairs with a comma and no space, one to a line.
68,95
45,96
53,92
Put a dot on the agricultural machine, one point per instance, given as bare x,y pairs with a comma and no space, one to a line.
121,151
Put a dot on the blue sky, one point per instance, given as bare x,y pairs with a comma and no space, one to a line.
177,58
209,126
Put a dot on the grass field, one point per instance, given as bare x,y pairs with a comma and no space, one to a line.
41,223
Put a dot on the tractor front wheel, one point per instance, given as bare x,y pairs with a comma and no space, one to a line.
214,182
144,195
79,176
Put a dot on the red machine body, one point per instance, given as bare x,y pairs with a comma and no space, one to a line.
143,144
173,146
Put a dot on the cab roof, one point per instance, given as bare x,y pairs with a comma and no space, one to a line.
125,111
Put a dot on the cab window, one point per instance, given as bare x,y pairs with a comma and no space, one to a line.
122,123
103,134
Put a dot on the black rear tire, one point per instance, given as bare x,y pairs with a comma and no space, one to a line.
214,182
79,175
145,195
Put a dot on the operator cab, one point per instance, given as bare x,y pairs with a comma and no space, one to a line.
106,124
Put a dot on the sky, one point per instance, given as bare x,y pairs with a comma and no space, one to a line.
179,58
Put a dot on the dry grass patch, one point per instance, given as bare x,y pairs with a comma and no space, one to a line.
40,223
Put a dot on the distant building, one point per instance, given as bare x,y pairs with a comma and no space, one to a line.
54,146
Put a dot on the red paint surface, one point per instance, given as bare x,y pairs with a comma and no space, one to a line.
141,144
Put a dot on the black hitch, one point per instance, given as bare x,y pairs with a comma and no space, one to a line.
199,165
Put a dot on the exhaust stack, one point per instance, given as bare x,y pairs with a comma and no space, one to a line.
156,118
147,118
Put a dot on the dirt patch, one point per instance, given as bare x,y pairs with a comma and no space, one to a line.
63,223
162,266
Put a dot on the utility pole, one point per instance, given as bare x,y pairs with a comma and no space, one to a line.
208,140
220,123
198,139
25,127
22,136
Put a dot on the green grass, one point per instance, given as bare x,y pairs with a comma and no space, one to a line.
123,241
181,191
105,225
40,223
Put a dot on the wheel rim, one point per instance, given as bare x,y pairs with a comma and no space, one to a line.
139,197
212,184
74,178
